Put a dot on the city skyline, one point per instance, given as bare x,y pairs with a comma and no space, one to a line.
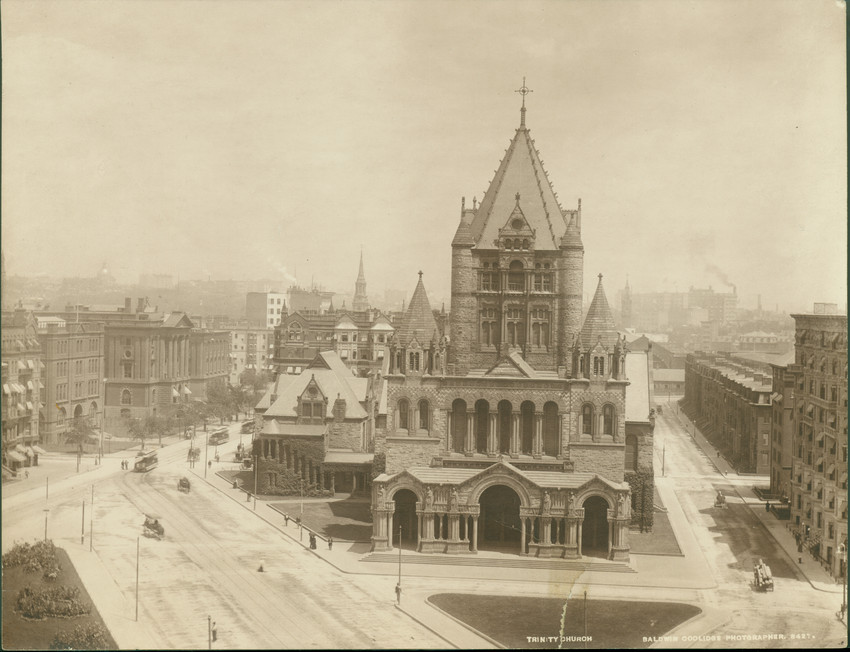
170,145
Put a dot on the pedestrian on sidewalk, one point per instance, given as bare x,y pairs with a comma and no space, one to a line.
767,506
286,519
398,593
330,543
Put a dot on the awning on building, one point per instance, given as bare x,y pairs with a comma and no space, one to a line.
30,386
29,405
830,469
186,390
843,477
39,450
819,462
30,364
21,407
20,449
820,435
22,365
16,456
175,393
6,389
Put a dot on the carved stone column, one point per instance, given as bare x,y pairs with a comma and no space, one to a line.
537,442
493,435
469,449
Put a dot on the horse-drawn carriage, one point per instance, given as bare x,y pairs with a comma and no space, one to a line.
152,527
720,500
183,484
193,455
762,577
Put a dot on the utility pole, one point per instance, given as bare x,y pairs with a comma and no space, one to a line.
46,512
585,619
91,521
301,518
206,454
256,471
83,524
663,456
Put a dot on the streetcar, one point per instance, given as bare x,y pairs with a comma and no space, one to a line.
219,436
145,462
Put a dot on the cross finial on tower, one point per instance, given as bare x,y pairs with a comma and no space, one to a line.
420,274
525,90
517,198
600,278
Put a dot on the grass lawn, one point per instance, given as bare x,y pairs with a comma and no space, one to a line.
21,634
344,520
612,624
661,541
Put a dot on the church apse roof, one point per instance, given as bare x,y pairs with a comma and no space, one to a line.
520,171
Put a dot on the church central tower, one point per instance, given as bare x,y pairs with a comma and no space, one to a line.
517,269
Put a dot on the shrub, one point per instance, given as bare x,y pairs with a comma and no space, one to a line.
82,637
60,601
33,558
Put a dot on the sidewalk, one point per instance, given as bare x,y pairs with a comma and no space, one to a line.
809,568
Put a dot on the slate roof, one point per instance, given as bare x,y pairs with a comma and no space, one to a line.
520,171
332,377
599,322
418,320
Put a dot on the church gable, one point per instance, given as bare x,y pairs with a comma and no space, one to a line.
512,366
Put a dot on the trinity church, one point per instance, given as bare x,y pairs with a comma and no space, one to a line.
524,427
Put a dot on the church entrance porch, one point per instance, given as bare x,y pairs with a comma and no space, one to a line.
405,520
499,523
594,532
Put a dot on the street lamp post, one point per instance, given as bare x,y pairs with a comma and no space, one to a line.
46,512
206,454
301,518
842,550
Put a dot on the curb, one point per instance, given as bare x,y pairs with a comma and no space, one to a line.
492,641
425,625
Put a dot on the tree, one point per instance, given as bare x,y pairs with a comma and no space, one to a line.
136,429
220,401
254,384
156,425
80,433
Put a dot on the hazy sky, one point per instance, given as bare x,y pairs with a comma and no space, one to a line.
240,139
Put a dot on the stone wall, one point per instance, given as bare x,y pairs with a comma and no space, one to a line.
605,459
345,435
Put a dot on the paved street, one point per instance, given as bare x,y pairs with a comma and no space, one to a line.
215,541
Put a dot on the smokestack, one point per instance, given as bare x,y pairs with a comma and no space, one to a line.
128,304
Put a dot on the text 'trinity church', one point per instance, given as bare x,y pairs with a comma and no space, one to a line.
528,428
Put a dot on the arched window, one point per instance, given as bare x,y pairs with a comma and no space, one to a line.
403,410
126,397
526,425
516,277
482,425
459,424
424,415
608,419
587,419
551,429
505,417
631,453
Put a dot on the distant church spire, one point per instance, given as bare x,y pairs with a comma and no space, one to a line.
361,301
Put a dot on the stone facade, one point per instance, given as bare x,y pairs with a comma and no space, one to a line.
512,432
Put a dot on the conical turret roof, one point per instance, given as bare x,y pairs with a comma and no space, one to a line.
418,321
599,322
521,171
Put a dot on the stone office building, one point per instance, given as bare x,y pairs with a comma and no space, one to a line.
515,434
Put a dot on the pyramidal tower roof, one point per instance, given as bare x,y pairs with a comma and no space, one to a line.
599,322
520,171
418,321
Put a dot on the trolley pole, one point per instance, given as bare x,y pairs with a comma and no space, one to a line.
138,539
83,524
256,472
206,454
91,521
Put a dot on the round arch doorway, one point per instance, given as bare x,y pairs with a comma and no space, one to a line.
499,525
405,522
594,529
